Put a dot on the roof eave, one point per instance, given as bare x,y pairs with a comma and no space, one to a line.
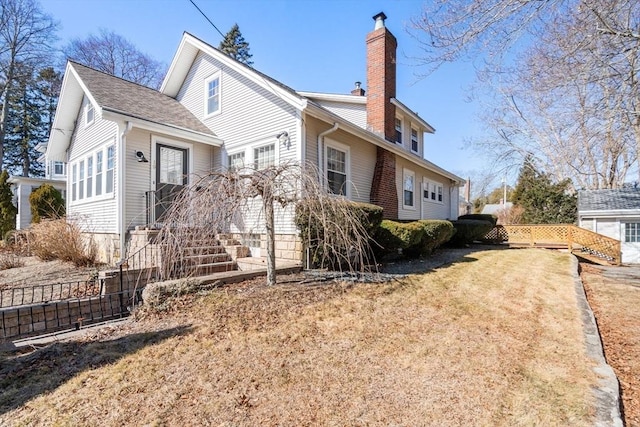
190,134
323,114
414,116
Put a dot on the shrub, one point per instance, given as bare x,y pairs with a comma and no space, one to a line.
7,210
46,203
414,238
59,239
10,260
334,229
468,230
481,217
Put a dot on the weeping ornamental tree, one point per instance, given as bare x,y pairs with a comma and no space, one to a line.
226,201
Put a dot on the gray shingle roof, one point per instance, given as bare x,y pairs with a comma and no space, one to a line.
134,100
606,200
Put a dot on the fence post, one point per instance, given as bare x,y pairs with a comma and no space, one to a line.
570,238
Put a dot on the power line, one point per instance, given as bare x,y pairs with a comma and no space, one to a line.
207,18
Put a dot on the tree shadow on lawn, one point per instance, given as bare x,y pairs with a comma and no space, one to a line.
26,377
441,258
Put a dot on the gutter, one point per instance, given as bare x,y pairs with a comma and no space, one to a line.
321,149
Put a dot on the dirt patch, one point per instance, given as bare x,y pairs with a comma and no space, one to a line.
482,341
614,296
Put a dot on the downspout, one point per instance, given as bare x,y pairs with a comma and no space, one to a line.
121,186
321,150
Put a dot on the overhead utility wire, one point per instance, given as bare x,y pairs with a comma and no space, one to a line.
207,18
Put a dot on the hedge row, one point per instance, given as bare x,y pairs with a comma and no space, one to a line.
413,238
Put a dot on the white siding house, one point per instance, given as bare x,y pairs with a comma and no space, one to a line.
616,214
215,111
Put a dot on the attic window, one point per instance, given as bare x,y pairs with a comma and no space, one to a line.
399,131
89,114
212,95
414,140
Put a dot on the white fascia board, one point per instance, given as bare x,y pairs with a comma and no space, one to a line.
29,180
163,128
323,114
414,116
350,99
610,213
181,61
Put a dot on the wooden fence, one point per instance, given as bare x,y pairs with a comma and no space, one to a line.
569,236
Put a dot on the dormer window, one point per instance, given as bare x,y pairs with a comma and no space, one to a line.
89,114
399,131
414,140
212,95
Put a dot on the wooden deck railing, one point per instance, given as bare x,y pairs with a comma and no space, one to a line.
553,235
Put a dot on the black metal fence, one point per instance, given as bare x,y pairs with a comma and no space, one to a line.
17,296
41,318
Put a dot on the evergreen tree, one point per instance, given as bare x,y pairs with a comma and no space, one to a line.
26,126
543,201
235,46
7,209
46,203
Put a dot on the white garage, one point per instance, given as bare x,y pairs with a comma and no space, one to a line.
614,213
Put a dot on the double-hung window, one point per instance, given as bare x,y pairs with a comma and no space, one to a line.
90,114
74,182
264,156
398,131
212,94
433,191
408,188
58,168
89,176
236,161
632,232
414,140
99,156
110,166
81,180
336,171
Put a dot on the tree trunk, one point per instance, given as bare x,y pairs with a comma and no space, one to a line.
4,114
267,205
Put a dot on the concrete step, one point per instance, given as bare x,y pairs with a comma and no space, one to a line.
215,267
206,258
203,250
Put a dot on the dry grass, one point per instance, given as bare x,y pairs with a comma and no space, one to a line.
10,260
63,240
492,340
615,301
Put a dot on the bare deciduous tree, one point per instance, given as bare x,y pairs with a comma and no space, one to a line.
220,203
113,54
26,34
563,75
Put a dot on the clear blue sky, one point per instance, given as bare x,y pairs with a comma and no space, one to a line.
308,45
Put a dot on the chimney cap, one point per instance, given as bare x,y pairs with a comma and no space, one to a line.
379,18
358,85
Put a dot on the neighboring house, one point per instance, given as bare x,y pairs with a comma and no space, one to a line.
495,208
127,145
55,175
616,214
22,188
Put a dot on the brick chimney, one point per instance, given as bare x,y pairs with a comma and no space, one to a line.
358,91
381,114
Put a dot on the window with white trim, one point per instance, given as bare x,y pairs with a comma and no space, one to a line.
336,167
74,182
89,176
212,95
99,156
264,156
236,161
408,186
433,191
81,180
89,114
111,151
58,168
632,232
414,140
398,131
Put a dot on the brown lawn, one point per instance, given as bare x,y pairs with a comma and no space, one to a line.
491,340
615,297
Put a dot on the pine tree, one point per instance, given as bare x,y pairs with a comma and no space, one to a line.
7,209
25,126
543,201
235,46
